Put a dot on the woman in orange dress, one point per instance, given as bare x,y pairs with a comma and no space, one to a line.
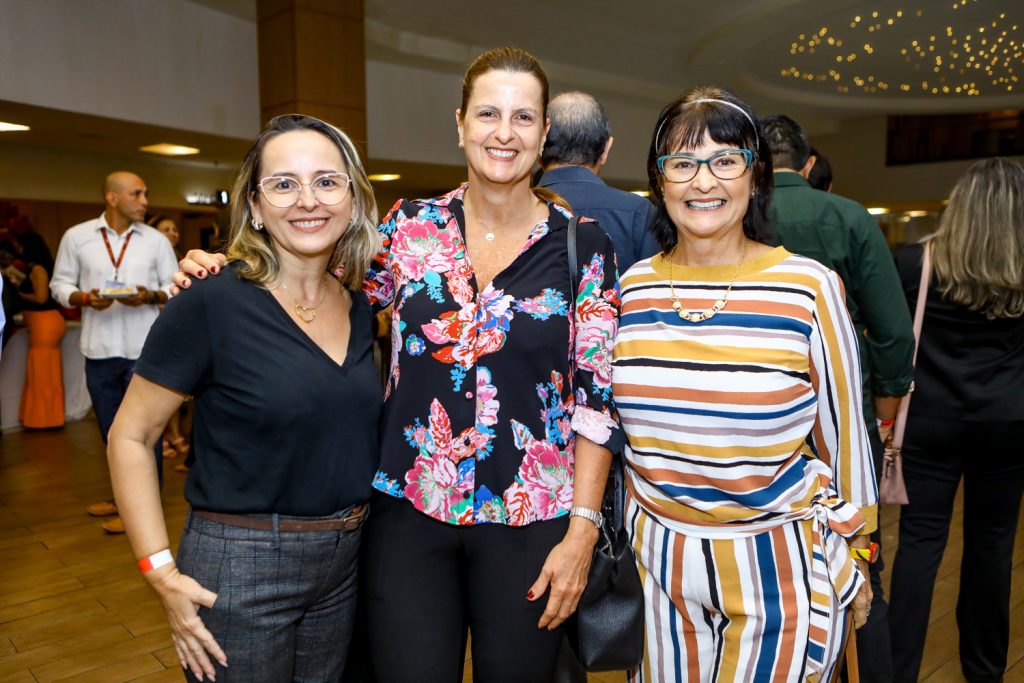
42,399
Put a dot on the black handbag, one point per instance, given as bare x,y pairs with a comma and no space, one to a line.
608,634
607,631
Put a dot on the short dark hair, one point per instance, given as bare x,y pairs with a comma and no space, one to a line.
787,141
579,130
820,176
685,123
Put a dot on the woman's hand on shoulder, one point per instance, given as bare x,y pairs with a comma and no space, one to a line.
565,572
196,263
182,596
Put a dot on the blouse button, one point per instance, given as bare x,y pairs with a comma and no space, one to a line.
469,394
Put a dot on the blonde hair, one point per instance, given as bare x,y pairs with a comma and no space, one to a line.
978,251
254,248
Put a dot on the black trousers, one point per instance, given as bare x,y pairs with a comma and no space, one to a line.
989,457
107,380
428,583
875,654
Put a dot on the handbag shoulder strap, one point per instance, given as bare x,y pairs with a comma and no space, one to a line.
573,263
922,297
572,258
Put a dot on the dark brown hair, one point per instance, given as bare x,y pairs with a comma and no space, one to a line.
518,61
511,59
685,123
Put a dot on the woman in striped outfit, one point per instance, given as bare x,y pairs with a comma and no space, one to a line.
737,379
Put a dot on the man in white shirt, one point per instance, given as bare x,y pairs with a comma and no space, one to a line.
118,271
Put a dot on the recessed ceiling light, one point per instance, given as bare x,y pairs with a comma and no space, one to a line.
167,149
383,177
641,193
878,210
10,127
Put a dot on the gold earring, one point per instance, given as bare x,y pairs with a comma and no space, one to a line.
256,225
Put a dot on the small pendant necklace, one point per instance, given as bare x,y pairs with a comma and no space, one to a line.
489,235
307,314
707,313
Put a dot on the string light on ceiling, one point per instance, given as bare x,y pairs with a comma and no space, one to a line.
978,51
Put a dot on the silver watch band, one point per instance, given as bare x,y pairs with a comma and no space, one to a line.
586,513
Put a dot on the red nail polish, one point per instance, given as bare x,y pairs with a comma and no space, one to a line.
529,595
214,269
201,273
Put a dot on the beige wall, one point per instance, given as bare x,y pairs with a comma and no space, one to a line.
857,155
170,63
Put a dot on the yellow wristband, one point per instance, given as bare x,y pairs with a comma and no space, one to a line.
869,554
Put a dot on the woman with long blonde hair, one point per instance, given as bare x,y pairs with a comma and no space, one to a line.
966,420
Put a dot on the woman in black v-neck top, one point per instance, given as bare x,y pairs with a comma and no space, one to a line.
266,569
965,421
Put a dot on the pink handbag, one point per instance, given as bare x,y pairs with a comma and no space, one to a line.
891,488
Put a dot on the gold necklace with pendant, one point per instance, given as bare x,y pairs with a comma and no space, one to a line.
707,313
307,314
489,234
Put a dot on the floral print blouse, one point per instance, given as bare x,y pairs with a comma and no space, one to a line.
486,390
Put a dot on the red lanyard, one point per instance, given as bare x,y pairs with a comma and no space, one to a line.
110,252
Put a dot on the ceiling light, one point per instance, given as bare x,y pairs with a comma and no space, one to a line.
937,52
167,149
641,193
878,210
10,127
383,177
917,213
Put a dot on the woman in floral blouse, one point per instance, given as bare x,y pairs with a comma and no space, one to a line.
497,419
497,407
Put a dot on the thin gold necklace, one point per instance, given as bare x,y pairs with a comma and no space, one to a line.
707,313
307,314
489,235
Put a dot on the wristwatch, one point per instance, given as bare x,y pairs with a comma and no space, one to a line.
869,554
586,513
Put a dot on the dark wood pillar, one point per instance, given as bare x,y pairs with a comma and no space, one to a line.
312,61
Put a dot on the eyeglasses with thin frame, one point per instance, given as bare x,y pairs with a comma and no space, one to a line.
284,191
728,164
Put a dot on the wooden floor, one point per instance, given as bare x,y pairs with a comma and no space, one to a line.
74,608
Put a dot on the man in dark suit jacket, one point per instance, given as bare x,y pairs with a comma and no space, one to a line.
577,147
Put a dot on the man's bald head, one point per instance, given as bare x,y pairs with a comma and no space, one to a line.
125,195
579,132
118,179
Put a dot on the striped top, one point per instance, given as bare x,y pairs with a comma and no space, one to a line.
751,419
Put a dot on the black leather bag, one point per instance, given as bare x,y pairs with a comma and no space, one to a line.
608,634
607,631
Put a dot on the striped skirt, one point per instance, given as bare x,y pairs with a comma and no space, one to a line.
755,608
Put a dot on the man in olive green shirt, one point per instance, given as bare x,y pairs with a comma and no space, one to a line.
842,235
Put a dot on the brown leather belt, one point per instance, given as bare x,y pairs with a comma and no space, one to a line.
350,522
